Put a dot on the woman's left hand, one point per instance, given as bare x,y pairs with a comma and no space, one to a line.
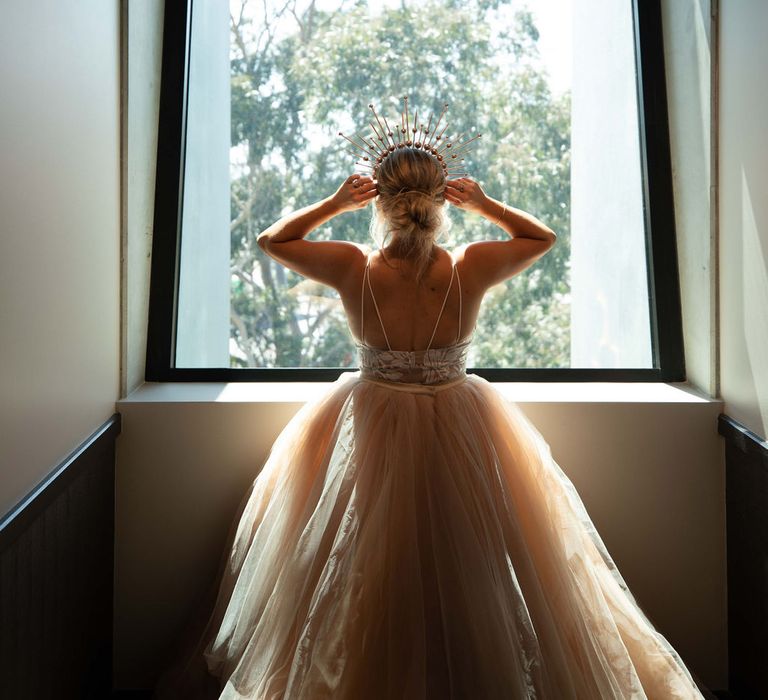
465,193
355,193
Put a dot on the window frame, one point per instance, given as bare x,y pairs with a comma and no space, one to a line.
658,211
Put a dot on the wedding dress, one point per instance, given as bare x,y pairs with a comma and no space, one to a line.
411,537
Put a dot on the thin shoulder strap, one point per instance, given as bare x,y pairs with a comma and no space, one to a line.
458,281
445,299
367,278
362,299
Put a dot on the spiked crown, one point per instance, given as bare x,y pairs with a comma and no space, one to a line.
373,150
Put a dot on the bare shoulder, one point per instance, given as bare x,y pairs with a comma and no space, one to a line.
458,253
363,248
333,262
352,265
486,263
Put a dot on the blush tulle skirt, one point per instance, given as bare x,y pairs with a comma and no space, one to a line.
410,542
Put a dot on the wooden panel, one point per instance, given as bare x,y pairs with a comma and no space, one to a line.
746,499
56,579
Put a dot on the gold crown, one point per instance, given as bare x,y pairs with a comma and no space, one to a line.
449,154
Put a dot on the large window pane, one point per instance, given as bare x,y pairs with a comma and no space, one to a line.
553,91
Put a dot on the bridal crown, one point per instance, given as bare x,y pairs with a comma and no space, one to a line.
373,150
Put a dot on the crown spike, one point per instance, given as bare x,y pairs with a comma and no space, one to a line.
375,131
356,145
357,154
390,134
370,150
382,145
449,144
365,148
378,121
439,119
440,135
426,133
422,136
371,146
460,147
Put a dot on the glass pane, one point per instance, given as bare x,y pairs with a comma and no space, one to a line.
552,91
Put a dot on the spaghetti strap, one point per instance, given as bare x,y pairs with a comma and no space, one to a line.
458,281
367,278
440,315
362,299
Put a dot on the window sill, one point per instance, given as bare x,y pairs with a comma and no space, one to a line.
519,392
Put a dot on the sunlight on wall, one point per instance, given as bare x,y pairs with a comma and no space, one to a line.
687,50
743,214
755,301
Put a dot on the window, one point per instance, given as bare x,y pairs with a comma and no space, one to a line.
572,106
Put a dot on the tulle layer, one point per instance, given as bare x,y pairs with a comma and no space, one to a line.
415,542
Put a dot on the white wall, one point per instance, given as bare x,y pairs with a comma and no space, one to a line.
59,232
143,42
743,244
688,46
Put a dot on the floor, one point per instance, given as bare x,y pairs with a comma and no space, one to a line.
146,695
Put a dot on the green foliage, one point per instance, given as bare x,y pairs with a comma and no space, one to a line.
294,89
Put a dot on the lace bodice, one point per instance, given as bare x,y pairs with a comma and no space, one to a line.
427,366
433,366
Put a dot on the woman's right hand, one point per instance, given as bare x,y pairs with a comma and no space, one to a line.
354,193
466,194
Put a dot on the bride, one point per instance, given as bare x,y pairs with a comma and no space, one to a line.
410,535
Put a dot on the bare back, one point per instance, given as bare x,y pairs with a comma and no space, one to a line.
411,314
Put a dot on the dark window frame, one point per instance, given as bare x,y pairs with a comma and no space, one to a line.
658,211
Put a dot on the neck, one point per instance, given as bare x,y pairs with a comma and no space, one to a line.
396,248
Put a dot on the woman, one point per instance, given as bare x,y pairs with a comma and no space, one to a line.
410,535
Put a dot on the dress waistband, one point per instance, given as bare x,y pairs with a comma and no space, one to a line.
417,388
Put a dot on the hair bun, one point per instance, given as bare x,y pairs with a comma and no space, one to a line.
411,202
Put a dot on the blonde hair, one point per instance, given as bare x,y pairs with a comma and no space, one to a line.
410,206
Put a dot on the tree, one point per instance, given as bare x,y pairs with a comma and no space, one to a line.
300,74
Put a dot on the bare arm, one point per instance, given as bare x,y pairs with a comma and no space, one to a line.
328,262
354,193
516,222
487,263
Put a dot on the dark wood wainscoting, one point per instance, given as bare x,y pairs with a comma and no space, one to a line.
56,576
746,502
